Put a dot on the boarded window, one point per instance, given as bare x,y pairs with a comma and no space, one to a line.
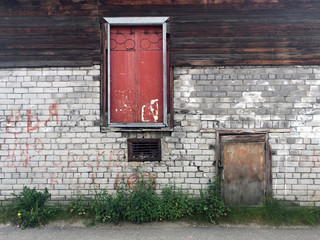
144,150
136,75
136,71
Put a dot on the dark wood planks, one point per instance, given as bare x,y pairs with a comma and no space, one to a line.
202,32
257,32
49,33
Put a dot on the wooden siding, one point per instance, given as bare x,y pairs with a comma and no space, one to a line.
49,33
233,32
202,32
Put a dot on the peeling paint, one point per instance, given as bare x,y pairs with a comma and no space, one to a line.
142,114
150,109
155,111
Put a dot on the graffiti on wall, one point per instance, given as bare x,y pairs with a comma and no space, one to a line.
73,168
131,181
16,120
314,158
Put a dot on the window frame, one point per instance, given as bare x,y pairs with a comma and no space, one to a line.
137,21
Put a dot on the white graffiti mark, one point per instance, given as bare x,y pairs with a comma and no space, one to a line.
152,108
143,113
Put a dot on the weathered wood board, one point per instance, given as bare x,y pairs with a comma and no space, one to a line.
202,32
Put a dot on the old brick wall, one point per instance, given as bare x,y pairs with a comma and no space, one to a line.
50,135
284,101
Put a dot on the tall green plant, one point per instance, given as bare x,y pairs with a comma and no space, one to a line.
30,208
107,207
141,201
174,204
212,204
79,206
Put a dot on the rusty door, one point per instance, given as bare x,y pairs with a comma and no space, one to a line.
136,74
243,168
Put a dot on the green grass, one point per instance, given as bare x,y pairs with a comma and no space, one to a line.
274,213
6,213
143,204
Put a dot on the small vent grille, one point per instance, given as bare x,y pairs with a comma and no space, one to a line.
144,150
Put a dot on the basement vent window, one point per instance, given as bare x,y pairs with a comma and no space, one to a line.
144,150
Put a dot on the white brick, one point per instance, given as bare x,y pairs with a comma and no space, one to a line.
94,73
64,72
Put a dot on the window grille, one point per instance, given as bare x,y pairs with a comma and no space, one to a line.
144,150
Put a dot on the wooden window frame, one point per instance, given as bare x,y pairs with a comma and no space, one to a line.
105,83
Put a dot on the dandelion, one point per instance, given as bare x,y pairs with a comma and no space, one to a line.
19,214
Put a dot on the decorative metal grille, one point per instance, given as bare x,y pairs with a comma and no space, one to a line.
144,150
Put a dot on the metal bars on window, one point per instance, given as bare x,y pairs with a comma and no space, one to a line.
140,150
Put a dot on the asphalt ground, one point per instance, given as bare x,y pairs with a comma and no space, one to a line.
174,231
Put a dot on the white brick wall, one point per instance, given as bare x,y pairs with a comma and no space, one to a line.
249,98
48,136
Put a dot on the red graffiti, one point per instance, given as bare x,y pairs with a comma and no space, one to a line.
61,169
75,181
28,157
17,120
53,179
30,118
75,161
315,158
131,181
12,124
117,160
99,159
53,110
12,156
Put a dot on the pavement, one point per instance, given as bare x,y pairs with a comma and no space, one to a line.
157,230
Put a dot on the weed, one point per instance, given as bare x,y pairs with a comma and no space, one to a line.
107,207
175,204
79,207
141,202
211,203
137,204
30,209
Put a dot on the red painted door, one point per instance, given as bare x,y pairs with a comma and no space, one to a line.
136,75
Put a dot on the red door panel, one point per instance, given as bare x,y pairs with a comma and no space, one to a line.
122,61
136,75
150,73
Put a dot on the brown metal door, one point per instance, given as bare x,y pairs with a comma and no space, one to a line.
243,168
